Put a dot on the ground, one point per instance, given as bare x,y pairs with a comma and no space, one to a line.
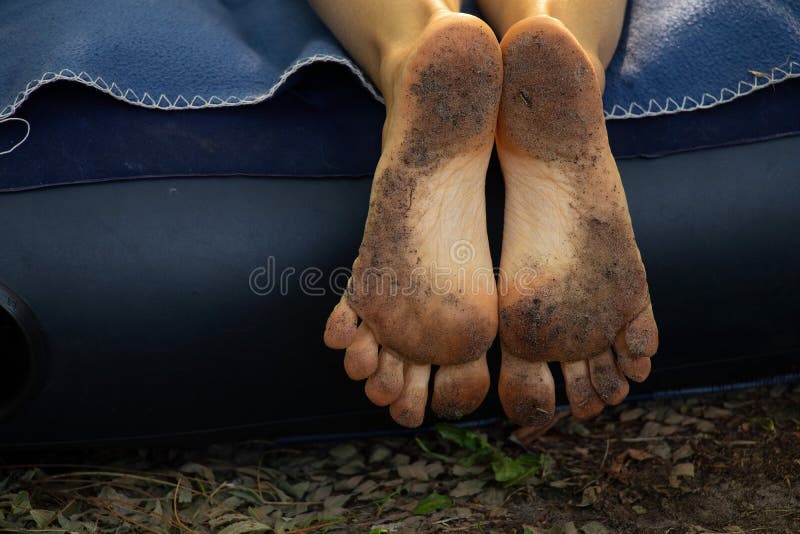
721,463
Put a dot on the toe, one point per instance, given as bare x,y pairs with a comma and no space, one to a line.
340,330
583,399
635,344
527,391
361,357
386,384
409,409
607,379
637,369
641,335
458,390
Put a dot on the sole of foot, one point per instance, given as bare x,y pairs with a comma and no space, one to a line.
422,284
575,286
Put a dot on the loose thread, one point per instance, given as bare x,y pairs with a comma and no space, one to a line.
24,138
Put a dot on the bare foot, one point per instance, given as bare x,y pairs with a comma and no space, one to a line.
422,283
584,301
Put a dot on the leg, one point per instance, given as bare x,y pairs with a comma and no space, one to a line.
378,32
596,24
422,283
566,216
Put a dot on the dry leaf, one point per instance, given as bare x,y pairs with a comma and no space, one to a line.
712,412
344,452
352,467
619,461
675,419
639,455
685,451
594,527
631,415
434,469
245,526
414,471
660,449
684,470
379,454
334,505
589,496
465,488
704,426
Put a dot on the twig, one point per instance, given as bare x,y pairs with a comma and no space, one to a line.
112,474
605,455
175,507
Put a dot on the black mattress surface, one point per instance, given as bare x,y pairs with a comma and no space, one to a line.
141,290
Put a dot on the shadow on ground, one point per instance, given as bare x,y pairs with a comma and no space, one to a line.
724,463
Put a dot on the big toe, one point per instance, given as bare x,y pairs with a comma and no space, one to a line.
641,335
527,391
458,390
340,330
409,409
583,399
636,344
361,357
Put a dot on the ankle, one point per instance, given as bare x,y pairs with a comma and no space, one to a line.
599,68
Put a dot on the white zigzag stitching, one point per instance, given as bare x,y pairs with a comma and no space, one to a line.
180,101
789,69
785,71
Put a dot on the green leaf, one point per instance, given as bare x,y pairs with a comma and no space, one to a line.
546,465
443,457
766,423
433,503
471,441
505,468
514,470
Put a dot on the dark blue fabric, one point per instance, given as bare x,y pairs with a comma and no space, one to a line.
159,53
681,55
324,120
80,135
676,55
